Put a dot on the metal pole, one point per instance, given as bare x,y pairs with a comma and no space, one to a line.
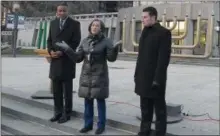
15,32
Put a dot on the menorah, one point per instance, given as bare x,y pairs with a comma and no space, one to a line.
208,49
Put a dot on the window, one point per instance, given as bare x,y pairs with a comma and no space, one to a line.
121,30
137,34
138,30
3,19
111,6
203,31
111,34
178,30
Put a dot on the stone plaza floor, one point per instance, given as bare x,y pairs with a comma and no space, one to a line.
195,87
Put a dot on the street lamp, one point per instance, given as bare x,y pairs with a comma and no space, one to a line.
15,8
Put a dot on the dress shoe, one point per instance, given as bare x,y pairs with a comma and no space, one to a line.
85,129
68,113
64,119
55,118
99,131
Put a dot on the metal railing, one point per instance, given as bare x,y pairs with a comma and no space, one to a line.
79,16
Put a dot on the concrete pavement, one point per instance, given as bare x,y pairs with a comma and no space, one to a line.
196,87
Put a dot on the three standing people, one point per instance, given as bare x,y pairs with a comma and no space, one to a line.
151,72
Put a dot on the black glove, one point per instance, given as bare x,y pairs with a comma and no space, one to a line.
67,50
63,46
155,85
116,46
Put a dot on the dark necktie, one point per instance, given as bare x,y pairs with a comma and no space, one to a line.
61,24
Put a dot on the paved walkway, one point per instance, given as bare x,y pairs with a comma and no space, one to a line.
196,87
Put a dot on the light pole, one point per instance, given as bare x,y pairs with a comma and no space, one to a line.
16,8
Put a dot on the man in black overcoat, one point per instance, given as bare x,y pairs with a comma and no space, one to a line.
62,69
151,72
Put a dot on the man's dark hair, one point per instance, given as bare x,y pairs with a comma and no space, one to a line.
63,4
152,11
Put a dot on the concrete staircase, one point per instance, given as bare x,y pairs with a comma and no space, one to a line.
29,117
22,115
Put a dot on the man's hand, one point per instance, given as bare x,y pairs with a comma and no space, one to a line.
53,54
48,59
155,85
59,53
56,54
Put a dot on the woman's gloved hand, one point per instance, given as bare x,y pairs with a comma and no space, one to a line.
62,46
117,44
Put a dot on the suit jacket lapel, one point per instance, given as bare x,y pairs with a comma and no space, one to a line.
65,25
57,26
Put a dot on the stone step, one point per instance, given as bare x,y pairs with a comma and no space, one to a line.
4,133
27,126
114,120
5,130
27,113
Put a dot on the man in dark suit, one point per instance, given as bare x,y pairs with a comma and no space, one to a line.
62,69
151,72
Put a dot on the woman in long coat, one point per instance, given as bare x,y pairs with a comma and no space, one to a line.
94,50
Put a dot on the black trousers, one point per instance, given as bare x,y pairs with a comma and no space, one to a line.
62,88
147,109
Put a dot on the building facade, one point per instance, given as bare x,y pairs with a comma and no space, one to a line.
113,6
180,10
